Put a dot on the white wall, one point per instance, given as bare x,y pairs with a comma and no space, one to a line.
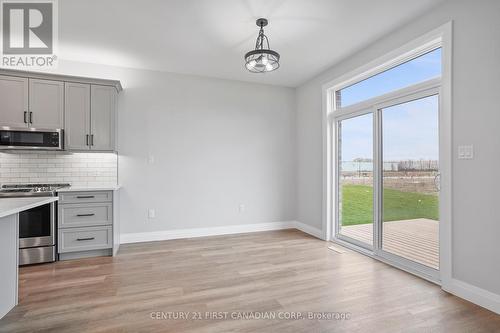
216,144
476,117
220,143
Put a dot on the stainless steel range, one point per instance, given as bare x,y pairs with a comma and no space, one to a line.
37,226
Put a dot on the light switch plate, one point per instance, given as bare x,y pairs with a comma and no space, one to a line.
465,152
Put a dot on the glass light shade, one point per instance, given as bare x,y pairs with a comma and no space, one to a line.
262,60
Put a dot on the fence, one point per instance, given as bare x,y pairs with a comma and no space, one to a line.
407,165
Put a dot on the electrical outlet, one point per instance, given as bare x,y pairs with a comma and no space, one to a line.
151,213
465,152
242,208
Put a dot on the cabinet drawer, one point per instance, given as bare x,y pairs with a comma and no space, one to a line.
84,215
84,197
85,239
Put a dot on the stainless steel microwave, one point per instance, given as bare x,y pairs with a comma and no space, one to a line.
31,138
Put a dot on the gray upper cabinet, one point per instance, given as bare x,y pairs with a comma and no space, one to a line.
102,117
46,104
77,119
14,101
90,117
28,102
85,108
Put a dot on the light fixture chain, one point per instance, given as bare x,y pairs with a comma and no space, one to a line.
259,44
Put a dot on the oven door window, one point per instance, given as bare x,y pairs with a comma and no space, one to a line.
35,222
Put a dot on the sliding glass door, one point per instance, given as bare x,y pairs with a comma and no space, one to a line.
355,179
387,179
409,163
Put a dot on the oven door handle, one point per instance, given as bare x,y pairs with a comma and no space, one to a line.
85,239
83,215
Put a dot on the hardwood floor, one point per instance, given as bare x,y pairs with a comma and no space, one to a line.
268,273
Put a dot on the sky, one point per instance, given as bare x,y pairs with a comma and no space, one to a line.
410,130
417,70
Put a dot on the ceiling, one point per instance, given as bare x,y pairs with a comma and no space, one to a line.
210,37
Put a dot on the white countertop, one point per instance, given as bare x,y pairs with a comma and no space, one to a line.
89,188
9,206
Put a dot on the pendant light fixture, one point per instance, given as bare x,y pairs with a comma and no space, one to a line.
262,59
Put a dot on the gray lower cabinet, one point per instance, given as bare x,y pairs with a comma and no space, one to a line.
84,215
85,197
85,224
85,239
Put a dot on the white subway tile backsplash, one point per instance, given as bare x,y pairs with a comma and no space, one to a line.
81,169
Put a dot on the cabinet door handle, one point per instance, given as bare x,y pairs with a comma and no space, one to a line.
87,139
81,215
25,114
84,239
91,139
31,117
85,196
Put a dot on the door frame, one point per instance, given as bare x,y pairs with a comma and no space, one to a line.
440,37
422,90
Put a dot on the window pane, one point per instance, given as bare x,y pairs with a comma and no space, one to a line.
425,67
356,178
410,137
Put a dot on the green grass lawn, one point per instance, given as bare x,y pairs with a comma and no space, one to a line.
357,205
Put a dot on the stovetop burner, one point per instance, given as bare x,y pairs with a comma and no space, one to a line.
29,190
14,190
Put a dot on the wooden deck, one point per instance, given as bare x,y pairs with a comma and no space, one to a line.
417,239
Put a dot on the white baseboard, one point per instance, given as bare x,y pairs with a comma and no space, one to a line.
318,233
476,295
215,231
202,232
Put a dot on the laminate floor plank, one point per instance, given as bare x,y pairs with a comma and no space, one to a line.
278,273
